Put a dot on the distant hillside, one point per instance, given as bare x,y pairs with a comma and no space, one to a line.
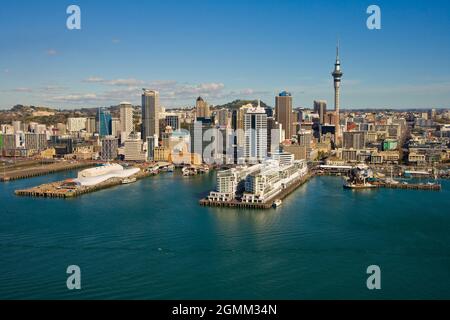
239,103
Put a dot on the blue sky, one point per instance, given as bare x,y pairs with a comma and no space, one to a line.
224,50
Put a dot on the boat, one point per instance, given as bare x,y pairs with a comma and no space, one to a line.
129,180
189,171
359,186
277,203
170,168
358,178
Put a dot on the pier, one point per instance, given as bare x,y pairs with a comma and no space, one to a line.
60,190
426,187
265,205
36,169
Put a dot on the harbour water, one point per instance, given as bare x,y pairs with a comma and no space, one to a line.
151,240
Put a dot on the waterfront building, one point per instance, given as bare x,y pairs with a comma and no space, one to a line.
134,149
161,154
258,183
283,112
95,176
152,143
255,128
109,149
231,183
126,118
271,179
150,113
284,158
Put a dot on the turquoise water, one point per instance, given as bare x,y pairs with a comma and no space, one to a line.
150,240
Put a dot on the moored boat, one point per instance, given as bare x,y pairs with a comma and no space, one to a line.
277,203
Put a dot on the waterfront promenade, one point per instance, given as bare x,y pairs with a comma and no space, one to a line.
35,168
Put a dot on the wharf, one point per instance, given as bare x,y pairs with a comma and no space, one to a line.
58,189
265,205
429,187
37,170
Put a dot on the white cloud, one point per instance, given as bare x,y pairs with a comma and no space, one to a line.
115,82
52,52
22,90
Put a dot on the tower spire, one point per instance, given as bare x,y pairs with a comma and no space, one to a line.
337,50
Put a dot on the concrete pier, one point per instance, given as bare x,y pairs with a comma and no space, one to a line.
41,170
57,189
265,205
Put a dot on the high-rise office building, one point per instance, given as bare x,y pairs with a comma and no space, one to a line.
283,112
104,122
275,135
152,143
91,125
255,128
197,132
223,117
35,141
172,121
126,118
202,108
320,107
337,75
110,146
76,124
134,149
354,140
150,113
115,127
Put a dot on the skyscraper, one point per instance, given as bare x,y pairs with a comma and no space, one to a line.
104,122
337,75
126,117
283,112
173,121
150,113
320,107
255,128
202,108
110,145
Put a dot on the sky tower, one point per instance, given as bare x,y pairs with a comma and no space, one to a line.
337,75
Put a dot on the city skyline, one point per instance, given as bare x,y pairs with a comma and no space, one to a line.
233,52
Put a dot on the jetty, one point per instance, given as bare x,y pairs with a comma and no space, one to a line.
35,169
268,204
410,186
65,190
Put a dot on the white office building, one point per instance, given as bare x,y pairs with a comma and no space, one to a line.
255,131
